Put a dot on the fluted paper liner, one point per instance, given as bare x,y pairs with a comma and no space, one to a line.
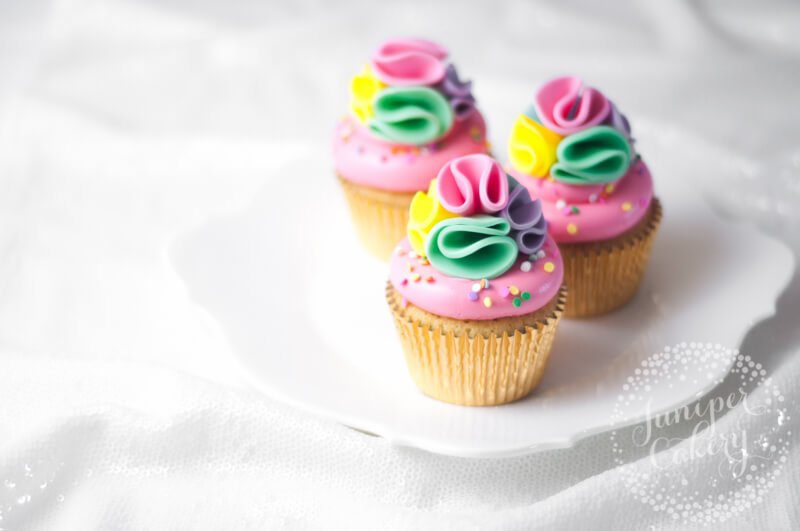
380,217
602,276
476,363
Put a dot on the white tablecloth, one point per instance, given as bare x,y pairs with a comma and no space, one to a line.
124,123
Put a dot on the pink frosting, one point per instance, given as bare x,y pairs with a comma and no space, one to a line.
409,62
362,158
603,211
565,105
423,286
472,184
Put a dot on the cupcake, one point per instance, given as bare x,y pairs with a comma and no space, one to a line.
573,150
410,113
475,288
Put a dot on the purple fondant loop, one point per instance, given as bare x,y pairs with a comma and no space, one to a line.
618,121
522,212
524,215
462,108
458,92
531,239
453,86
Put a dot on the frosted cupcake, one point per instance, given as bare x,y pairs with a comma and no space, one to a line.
410,113
476,287
573,150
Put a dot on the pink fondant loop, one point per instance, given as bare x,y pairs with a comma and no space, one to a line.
472,184
404,62
565,105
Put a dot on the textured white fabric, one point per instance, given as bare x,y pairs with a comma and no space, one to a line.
124,123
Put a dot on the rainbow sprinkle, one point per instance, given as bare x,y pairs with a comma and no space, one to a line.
475,134
537,256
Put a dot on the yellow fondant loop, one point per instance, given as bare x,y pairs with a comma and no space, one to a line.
425,212
362,111
532,148
363,89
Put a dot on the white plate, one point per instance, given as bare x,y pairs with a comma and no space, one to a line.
303,307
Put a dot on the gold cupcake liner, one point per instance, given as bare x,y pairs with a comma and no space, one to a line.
380,217
476,363
602,276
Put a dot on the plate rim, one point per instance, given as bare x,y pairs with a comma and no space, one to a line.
384,430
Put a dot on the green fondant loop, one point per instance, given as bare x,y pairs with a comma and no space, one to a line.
474,248
597,155
410,115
